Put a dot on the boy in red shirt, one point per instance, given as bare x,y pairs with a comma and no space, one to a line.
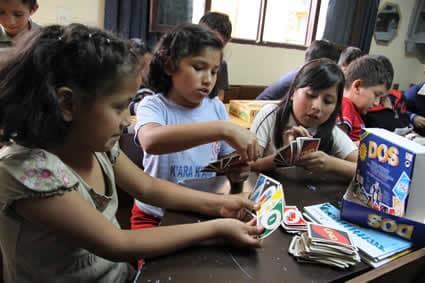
365,84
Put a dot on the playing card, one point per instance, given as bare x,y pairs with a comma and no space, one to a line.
319,233
258,188
271,213
288,154
292,216
224,164
307,145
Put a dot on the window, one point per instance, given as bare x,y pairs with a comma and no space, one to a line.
265,22
274,22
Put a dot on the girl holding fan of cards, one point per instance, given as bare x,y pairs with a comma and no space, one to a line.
309,109
181,129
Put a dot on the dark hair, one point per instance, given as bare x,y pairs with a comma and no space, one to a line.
76,56
138,46
317,74
184,40
322,49
218,22
386,63
348,55
367,69
29,3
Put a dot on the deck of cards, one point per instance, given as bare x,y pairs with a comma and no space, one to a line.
288,154
324,245
224,164
269,194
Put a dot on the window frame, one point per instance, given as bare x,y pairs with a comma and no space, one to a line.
155,26
312,21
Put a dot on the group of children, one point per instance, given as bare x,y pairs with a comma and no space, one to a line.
62,163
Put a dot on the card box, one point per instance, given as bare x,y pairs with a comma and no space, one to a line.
388,190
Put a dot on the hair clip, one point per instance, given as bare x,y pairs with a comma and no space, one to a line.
90,35
108,41
60,38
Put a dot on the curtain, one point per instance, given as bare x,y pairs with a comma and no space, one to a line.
127,18
351,22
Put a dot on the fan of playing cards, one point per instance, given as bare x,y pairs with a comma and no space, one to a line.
269,194
287,155
325,245
225,164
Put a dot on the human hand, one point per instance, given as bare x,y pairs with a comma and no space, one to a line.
314,161
242,140
419,121
291,134
236,205
240,233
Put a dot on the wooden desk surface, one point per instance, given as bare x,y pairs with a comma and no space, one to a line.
271,263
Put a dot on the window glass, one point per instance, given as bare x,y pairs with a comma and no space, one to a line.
244,15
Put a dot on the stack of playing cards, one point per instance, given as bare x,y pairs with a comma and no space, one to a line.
225,164
269,194
293,222
288,154
325,245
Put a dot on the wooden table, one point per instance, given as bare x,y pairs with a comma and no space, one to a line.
271,263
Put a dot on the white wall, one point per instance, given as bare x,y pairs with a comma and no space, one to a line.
249,64
408,69
90,12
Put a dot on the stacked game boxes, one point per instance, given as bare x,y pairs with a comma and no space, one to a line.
390,179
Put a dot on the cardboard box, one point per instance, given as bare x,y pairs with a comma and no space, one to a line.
354,211
388,190
247,109
391,173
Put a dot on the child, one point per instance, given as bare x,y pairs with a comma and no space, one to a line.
365,84
390,113
317,49
57,196
144,55
348,55
220,24
310,109
15,20
181,129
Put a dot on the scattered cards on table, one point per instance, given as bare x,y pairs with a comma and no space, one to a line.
269,194
293,222
324,245
288,154
225,164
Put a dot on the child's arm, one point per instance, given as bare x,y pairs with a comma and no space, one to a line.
168,195
73,219
159,139
319,161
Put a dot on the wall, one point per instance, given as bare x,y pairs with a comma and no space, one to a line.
408,69
249,64
70,11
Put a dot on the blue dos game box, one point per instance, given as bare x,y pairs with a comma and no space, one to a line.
391,174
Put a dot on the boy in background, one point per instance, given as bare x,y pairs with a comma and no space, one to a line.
317,49
220,24
15,20
348,55
391,113
365,85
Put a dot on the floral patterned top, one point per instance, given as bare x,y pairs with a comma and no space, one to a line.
32,253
